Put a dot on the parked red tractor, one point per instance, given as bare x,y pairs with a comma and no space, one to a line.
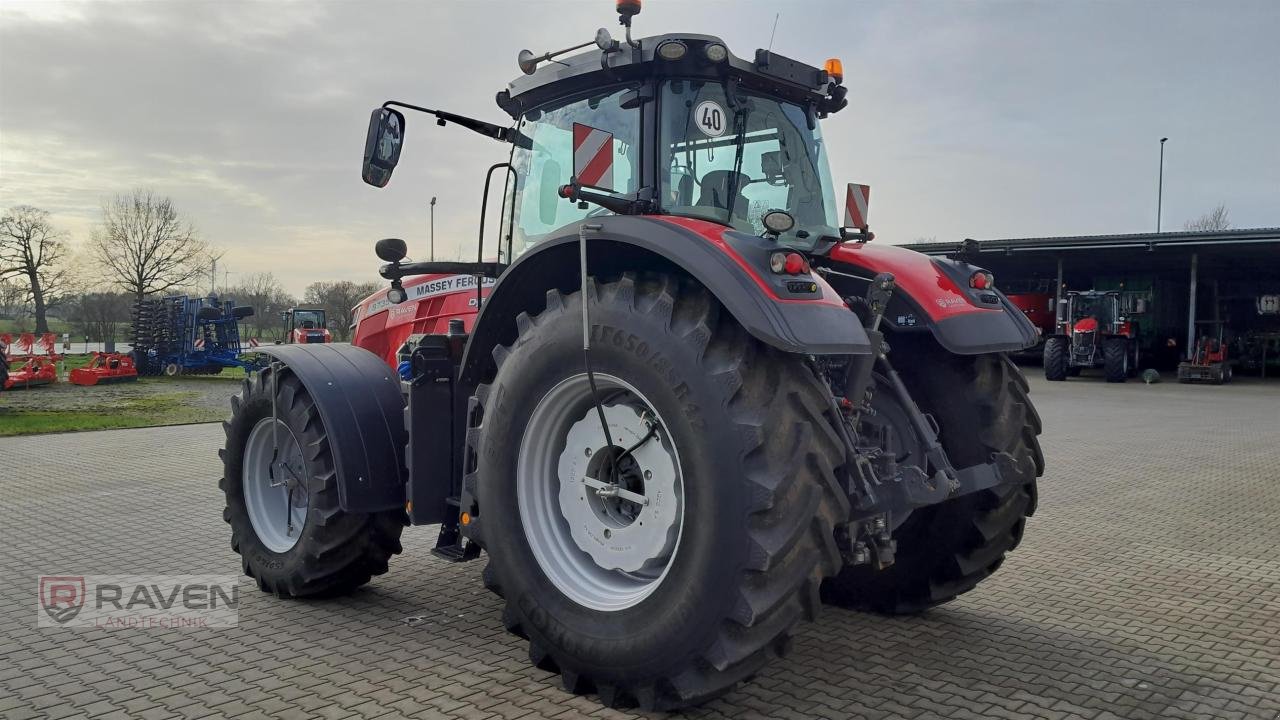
307,325
1093,331
664,407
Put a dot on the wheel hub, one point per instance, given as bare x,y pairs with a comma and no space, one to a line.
274,483
621,510
603,524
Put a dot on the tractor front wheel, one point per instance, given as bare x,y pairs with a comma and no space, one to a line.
281,494
1115,357
1056,358
661,563
981,407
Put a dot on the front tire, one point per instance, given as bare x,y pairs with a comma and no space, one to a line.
744,426
1115,357
944,550
1056,359
317,549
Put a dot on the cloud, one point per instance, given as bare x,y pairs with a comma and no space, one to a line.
969,119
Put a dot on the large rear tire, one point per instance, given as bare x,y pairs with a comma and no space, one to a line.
1056,358
754,500
317,549
1115,357
981,406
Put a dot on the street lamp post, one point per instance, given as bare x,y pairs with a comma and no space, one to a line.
433,228
1160,186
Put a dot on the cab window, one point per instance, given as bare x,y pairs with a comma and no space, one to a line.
543,160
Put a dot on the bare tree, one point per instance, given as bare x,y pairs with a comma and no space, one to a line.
268,298
32,249
338,299
14,304
145,246
99,316
1214,220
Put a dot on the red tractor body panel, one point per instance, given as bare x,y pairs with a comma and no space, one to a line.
1086,325
916,274
714,234
434,300
311,335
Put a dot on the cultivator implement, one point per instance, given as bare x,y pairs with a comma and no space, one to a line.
181,335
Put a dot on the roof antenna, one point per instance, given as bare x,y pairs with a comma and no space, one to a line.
775,30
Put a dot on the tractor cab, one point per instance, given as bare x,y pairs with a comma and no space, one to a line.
307,325
672,125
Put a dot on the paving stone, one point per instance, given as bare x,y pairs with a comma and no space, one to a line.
1147,586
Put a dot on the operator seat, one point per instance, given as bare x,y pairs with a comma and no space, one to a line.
715,192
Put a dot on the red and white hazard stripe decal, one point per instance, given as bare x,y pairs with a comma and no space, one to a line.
199,343
855,206
592,157
253,342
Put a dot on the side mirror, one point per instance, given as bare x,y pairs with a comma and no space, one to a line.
391,250
382,146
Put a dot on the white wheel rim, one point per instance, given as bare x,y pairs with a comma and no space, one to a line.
603,551
267,489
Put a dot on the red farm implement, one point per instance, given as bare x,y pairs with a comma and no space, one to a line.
106,368
32,370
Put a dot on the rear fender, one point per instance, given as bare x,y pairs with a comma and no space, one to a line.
360,402
933,294
732,266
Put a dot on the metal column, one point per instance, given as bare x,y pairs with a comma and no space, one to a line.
1057,298
1191,313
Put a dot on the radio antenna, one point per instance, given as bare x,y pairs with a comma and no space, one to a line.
775,30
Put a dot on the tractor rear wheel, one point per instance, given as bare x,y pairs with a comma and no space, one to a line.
981,406
1115,358
282,498
688,573
1056,358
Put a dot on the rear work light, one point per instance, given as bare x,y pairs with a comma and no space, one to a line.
982,280
788,263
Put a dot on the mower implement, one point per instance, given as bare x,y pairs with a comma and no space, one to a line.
106,369
673,402
34,371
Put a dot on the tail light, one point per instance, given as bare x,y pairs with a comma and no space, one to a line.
788,263
982,280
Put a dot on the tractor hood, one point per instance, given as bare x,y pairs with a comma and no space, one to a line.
1086,325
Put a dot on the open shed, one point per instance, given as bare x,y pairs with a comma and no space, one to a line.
1223,284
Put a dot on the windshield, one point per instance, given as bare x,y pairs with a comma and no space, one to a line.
731,162
308,319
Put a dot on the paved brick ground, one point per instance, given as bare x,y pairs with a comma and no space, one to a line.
1148,586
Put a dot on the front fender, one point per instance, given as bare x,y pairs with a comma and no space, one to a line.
728,264
360,403
933,293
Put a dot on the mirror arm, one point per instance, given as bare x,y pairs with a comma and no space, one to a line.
497,132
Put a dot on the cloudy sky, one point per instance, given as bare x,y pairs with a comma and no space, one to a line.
969,119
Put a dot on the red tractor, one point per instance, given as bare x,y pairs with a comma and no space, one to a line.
306,325
664,407
1093,331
